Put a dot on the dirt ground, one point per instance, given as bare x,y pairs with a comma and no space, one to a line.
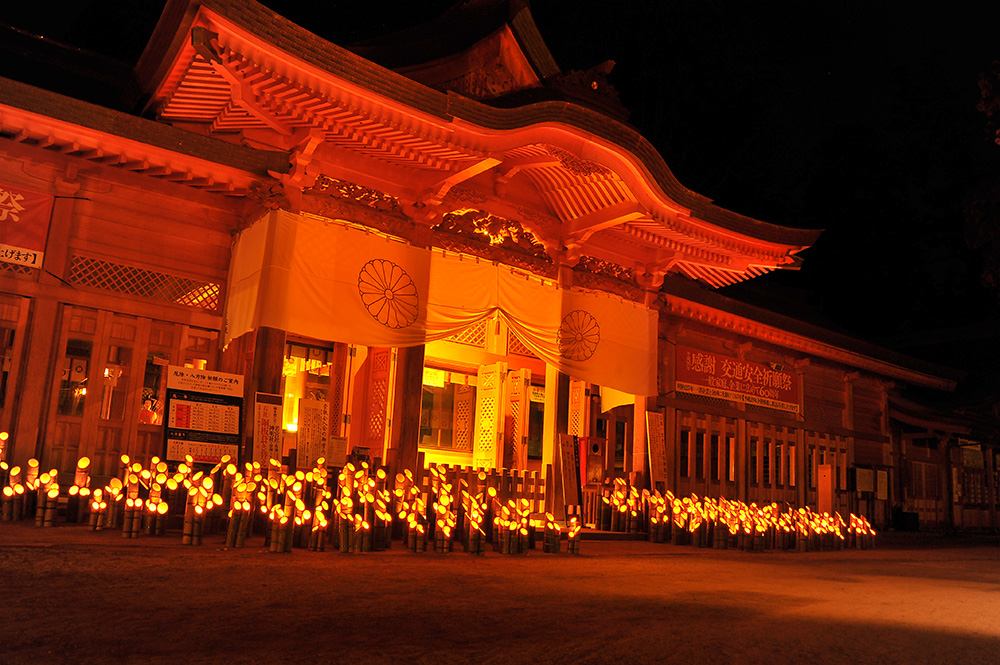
68,595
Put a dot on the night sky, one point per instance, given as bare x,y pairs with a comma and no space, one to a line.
857,118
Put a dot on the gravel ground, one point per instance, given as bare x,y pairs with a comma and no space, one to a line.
68,595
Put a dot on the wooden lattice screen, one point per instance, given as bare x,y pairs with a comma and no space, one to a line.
144,283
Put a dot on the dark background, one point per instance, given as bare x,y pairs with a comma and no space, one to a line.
858,118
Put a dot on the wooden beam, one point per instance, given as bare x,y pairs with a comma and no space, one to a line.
436,193
580,229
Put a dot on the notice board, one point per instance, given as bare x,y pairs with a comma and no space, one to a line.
204,414
313,432
569,461
657,444
267,428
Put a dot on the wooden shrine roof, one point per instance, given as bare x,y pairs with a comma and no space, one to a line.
583,182
684,299
54,122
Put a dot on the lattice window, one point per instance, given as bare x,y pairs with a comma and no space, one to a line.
144,283
16,268
763,409
487,419
713,401
474,335
463,413
826,415
515,409
377,424
516,347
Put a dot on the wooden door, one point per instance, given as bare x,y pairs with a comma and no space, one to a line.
381,366
515,452
487,450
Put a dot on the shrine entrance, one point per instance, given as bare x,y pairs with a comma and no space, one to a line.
482,400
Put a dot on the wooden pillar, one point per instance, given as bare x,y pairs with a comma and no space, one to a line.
40,357
667,349
801,477
640,465
555,423
742,484
265,376
268,359
410,384
991,493
39,372
949,485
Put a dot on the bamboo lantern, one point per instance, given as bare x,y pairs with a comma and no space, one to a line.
98,506
31,488
7,506
43,490
76,507
679,520
475,512
573,541
553,535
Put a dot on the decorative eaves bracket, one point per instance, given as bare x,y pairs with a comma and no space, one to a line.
427,205
204,42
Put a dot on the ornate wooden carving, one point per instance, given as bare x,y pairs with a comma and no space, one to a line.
394,223
342,189
591,273
575,165
493,230
262,197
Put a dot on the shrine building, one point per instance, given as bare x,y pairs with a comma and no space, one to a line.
459,258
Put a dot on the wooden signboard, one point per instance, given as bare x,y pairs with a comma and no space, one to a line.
657,444
313,432
882,486
266,428
569,458
337,450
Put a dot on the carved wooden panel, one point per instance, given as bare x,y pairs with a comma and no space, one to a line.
577,407
464,417
515,454
489,423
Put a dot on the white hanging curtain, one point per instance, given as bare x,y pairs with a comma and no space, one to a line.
328,280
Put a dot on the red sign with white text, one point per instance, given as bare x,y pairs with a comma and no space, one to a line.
715,375
24,225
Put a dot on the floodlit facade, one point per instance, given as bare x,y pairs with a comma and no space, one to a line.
462,258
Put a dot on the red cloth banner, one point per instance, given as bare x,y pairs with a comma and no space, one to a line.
715,375
24,225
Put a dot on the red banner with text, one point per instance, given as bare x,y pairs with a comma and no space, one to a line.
715,375
24,225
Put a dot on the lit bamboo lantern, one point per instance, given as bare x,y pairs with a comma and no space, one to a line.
32,491
42,498
19,494
475,511
7,507
553,535
98,506
573,542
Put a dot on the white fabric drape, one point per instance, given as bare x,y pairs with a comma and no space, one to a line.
328,280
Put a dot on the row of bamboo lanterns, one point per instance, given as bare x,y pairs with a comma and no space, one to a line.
358,512
301,509
720,523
